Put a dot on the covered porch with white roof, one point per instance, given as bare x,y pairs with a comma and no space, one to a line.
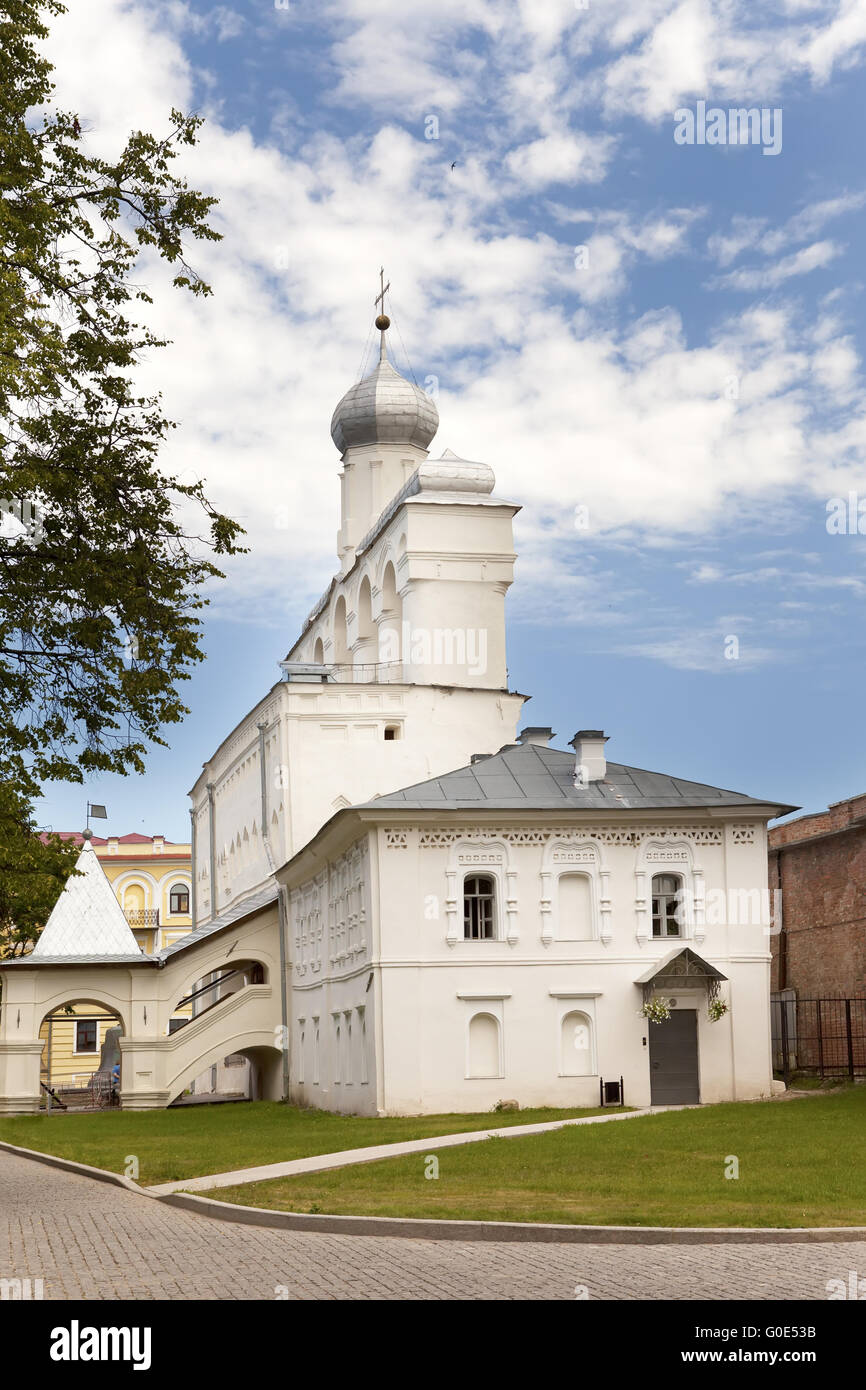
87,953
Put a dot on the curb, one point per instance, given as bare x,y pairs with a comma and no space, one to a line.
84,1170
420,1228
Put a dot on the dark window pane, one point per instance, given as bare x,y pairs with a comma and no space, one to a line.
85,1035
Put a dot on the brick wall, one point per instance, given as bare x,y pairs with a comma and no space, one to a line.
819,862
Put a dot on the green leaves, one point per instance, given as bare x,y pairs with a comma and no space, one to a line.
99,603
32,873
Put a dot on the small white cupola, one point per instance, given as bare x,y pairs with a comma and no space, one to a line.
590,764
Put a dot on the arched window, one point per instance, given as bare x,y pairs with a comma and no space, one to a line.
341,650
574,917
667,905
319,652
178,900
484,1051
364,646
576,1050
390,646
391,604
479,903
133,899
366,627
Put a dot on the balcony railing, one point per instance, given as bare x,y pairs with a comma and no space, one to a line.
143,917
347,673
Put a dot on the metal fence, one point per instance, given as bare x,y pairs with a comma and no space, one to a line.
821,1037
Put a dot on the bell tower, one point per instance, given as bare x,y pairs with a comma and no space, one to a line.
382,428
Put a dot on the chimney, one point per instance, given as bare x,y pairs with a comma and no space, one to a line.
536,735
590,764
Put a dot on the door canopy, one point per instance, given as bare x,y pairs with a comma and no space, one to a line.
682,969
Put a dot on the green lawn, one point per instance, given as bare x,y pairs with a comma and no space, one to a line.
801,1163
194,1140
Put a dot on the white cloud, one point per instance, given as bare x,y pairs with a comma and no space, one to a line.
809,258
674,60
755,234
841,42
562,158
632,420
615,243
700,651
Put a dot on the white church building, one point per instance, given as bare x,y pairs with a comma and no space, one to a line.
401,904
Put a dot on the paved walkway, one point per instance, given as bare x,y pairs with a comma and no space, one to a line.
344,1158
92,1240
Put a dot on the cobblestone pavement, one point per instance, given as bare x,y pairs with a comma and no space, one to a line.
90,1240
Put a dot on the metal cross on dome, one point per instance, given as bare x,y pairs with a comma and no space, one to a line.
380,297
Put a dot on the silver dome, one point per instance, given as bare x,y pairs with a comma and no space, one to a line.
384,408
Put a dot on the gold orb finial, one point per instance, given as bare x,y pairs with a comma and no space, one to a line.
383,322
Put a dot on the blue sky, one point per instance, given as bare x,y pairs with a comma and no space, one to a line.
667,336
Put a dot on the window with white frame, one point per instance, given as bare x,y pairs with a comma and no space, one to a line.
479,907
86,1035
667,894
178,902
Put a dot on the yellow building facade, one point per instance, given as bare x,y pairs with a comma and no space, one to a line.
152,881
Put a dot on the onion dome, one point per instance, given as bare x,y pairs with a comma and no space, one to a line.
384,408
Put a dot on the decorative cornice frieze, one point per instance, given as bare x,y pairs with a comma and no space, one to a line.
397,837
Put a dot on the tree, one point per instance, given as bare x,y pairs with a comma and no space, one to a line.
33,871
100,584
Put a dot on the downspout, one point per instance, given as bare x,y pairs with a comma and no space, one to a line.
212,834
282,916
192,865
783,935
266,839
284,991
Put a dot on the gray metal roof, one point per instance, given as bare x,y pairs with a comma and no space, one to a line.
530,777
35,959
384,408
243,908
689,967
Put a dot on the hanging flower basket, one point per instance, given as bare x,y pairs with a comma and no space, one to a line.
656,1010
716,1009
